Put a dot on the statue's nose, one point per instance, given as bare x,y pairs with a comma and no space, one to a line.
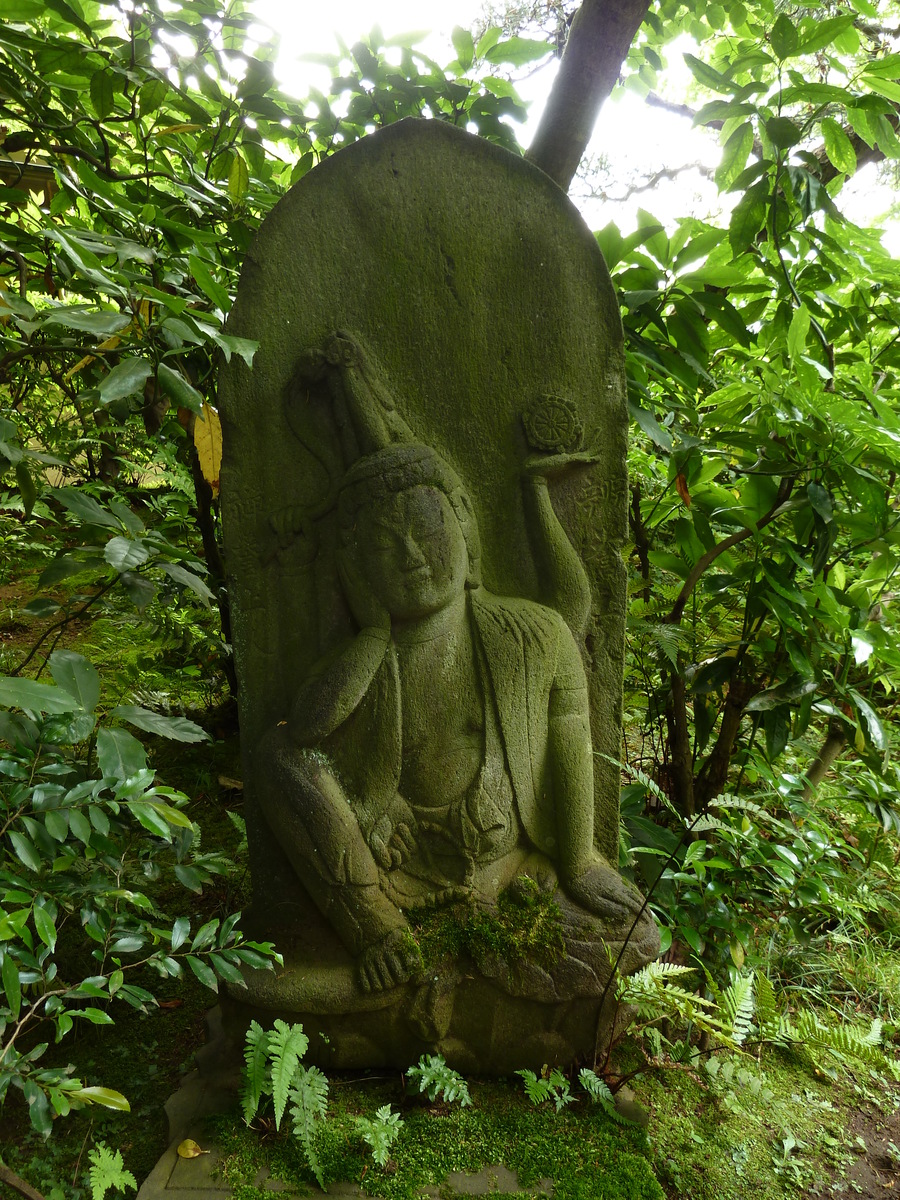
412,552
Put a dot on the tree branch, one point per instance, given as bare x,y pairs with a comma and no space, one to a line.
734,539
11,1179
599,39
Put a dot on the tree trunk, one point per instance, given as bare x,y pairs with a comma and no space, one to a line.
821,764
600,38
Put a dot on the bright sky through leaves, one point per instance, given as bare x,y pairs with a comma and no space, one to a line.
636,141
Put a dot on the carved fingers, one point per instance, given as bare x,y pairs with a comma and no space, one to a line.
391,844
548,465
389,963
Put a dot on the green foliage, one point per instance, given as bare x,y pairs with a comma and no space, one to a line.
380,1132
549,1085
108,1171
76,805
273,1068
309,1102
435,1079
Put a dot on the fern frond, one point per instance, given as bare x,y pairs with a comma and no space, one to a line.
309,1097
287,1045
768,1018
435,1078
256,1076
648,784
669,639
598,1091
107,1170
380,1132
736,1004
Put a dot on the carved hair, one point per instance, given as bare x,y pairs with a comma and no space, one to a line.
397,468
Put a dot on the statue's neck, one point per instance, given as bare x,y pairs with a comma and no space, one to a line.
441,624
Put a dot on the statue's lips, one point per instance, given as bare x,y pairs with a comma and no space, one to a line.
418,572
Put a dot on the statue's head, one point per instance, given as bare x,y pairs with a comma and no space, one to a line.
408,525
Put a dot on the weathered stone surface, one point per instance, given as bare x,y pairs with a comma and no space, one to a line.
424,499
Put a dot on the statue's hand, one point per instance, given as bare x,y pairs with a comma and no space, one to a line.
390,962
546,466
367,609
393,839
603,891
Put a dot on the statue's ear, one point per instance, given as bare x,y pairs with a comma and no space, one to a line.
465,514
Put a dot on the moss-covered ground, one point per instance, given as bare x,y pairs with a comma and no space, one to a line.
705,1140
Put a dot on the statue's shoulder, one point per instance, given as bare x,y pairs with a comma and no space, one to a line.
529,619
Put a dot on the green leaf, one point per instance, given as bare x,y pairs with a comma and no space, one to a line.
125,379
77,676
877,735
799,328
710,78
238,179
25,850
27,490
101,323
824,33
735,153
229,344
179,729
204,973
35,697
208,285
176,387
464,45
188,578
882,87
125,554
180,931
103,93
108,1098
748,217
517,51
11,986
784,38
85,507
838,146
488,40
649,424
151,95
782,132
119,755
44,925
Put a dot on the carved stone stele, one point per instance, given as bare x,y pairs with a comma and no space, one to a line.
424,500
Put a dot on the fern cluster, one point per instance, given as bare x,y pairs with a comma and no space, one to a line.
549,1085
274,1068
748,1010
435,1079
107,1170
380,1132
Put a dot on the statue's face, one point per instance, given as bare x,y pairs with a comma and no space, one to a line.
413,552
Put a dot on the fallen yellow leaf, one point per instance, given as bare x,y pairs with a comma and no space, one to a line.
189,1149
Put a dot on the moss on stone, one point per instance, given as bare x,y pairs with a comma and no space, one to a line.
525,925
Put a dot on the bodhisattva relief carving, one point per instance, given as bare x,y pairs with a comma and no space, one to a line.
441,755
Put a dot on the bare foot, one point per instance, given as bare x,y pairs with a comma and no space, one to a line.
388,963
603,891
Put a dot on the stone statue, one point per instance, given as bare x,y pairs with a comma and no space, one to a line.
424,500
442,754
